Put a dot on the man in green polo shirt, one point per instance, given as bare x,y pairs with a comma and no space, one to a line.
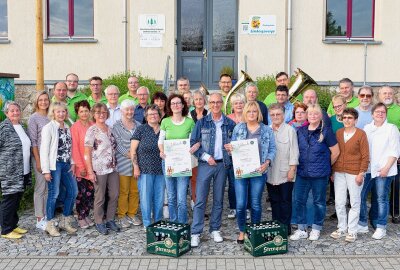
225,84
73,96
95,84
346,88
282,78
133,85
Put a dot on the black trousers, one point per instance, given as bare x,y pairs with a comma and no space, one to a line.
394,197
9,212
280,197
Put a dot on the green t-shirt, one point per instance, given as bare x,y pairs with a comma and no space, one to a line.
228,108
336,125
92,102
354,102
173,131
127,96
393,115
271,98
71,102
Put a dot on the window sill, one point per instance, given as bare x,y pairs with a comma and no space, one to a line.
351,42
4,41
70,40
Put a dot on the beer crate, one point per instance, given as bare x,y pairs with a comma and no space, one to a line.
168,238
266,238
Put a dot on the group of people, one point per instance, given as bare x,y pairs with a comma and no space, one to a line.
104,154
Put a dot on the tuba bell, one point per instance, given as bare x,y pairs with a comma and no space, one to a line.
245,78
303,80
203,89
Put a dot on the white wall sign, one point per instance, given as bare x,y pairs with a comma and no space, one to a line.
262,25
152,23
151,40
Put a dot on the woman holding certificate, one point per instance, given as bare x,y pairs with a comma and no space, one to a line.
249,130
176,127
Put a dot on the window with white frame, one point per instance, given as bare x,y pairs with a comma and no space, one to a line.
3,19
70,18
350,19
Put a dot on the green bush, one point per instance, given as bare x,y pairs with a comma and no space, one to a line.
266,85
121,79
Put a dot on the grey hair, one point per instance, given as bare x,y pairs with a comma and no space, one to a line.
217,94
367,87
143,87
111,87
127,103
250,84
237,97
10,103
198,92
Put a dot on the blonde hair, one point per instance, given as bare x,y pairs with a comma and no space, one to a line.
237,97
317,108
57,105
339,98
38,95
247,108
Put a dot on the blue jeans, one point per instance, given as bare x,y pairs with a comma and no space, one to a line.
380,195
151,192
62,175
309,209
242,187
231,189
303,185
368,183
205,174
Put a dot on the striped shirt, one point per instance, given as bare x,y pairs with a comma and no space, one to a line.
123,137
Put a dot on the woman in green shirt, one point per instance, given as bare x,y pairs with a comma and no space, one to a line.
176,126
339,104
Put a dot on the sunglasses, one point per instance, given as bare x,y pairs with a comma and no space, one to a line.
365,95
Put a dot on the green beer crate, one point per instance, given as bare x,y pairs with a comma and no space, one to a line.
266,238
168,238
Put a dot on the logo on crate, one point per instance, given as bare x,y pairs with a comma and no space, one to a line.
168,242
278,240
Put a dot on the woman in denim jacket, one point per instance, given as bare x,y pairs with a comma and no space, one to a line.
253,128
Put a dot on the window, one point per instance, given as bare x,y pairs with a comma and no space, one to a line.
69,18
3,19
350,19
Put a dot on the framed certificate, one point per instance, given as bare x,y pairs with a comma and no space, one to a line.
178,161
246,158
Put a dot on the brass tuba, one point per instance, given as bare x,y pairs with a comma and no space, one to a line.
203,89
303,80
245,78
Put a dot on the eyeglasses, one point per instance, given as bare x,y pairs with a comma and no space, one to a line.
380,112
338,106
300,112
112,94
176,103
100,113
224,82
72,81
215,102
347,117
365,95
275,114
142,94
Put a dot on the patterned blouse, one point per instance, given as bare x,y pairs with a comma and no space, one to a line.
103,152
64,145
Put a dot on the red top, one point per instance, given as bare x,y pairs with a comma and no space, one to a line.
78,132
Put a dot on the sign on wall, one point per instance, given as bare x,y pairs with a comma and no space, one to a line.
260,25
151,40
151,23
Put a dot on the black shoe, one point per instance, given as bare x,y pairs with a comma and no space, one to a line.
206,217
333,216
102,229
113,226
396,220
240,241
330,201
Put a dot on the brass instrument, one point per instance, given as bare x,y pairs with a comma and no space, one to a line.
203,89
245,78
303,80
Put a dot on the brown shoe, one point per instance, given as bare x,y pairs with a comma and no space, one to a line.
65,224
52,229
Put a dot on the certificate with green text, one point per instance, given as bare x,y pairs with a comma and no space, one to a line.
178,161
246,158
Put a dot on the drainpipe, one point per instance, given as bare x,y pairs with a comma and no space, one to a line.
289,37
365,62
125,22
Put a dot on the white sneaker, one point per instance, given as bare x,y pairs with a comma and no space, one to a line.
379,233
195,240
338,234
351,237
298,234
165,212
362,229
248,215
269,208
232,214
216,235
314,235
41,225
192,204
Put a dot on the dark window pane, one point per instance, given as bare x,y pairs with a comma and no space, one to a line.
3,18
83,18
224,25
362,18
58,18
336,17
193,21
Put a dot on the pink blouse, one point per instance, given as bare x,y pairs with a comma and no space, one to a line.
78,132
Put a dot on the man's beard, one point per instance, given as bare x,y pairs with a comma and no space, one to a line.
388,101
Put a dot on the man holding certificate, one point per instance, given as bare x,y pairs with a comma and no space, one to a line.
213,132
253,149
